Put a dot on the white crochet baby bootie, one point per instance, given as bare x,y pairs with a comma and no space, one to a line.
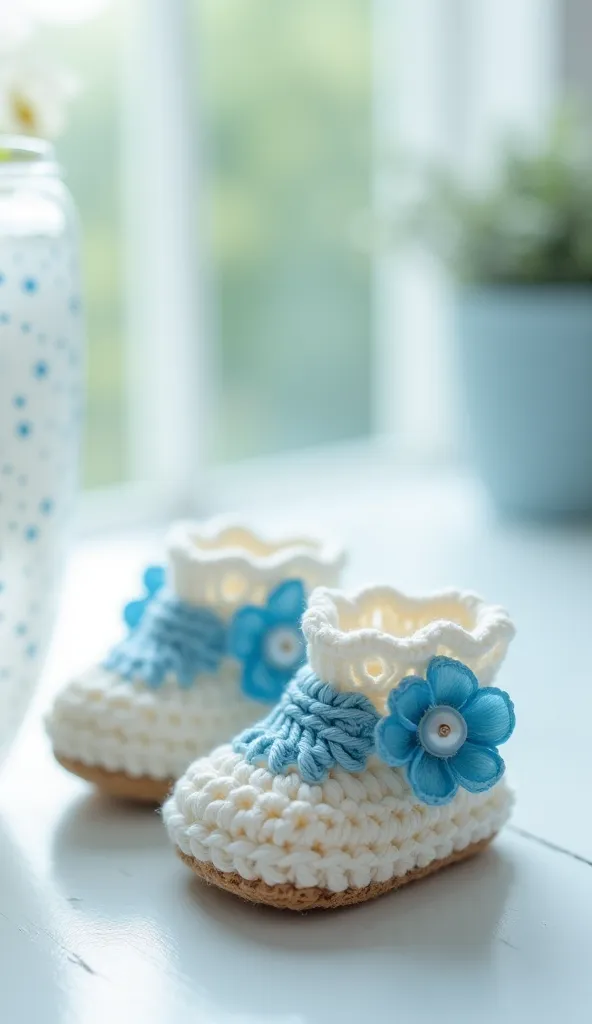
212,644
378,766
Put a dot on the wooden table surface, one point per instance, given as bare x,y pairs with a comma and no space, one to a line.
100,922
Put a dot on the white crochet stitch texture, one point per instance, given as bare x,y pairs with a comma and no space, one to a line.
225,564
373,639
103,720
347,832
352,829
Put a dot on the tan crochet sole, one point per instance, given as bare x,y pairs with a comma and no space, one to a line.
287,897
127,787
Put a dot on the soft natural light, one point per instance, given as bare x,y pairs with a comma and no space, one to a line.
65,10
295,511
15,25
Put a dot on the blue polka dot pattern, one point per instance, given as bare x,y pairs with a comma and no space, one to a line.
40,369
40,399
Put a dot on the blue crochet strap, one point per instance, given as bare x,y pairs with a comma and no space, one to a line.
313,728
171,638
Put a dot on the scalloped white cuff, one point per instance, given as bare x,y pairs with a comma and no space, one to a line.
376,637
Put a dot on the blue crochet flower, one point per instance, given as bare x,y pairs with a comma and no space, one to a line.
153,580
445,731
268,641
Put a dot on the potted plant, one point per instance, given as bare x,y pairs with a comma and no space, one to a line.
520,251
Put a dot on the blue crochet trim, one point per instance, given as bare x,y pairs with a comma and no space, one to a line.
171,638
314,727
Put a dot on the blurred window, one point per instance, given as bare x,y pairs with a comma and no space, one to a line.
285,95
89,154
290,109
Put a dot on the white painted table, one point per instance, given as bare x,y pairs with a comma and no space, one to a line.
100,922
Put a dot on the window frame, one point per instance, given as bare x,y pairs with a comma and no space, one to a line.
419,105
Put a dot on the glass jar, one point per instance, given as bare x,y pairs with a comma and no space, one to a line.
41,349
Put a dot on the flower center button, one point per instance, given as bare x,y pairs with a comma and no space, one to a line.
442,731
283,647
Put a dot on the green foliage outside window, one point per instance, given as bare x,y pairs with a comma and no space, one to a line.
284,94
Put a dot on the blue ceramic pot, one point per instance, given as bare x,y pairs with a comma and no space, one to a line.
526,364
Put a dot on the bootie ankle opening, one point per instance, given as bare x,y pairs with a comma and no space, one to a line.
226,565
377,637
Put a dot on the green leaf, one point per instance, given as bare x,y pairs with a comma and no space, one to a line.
532,223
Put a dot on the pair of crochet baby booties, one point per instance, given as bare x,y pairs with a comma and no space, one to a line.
373,759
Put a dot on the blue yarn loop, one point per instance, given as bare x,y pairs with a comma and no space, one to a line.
313,728
172,638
